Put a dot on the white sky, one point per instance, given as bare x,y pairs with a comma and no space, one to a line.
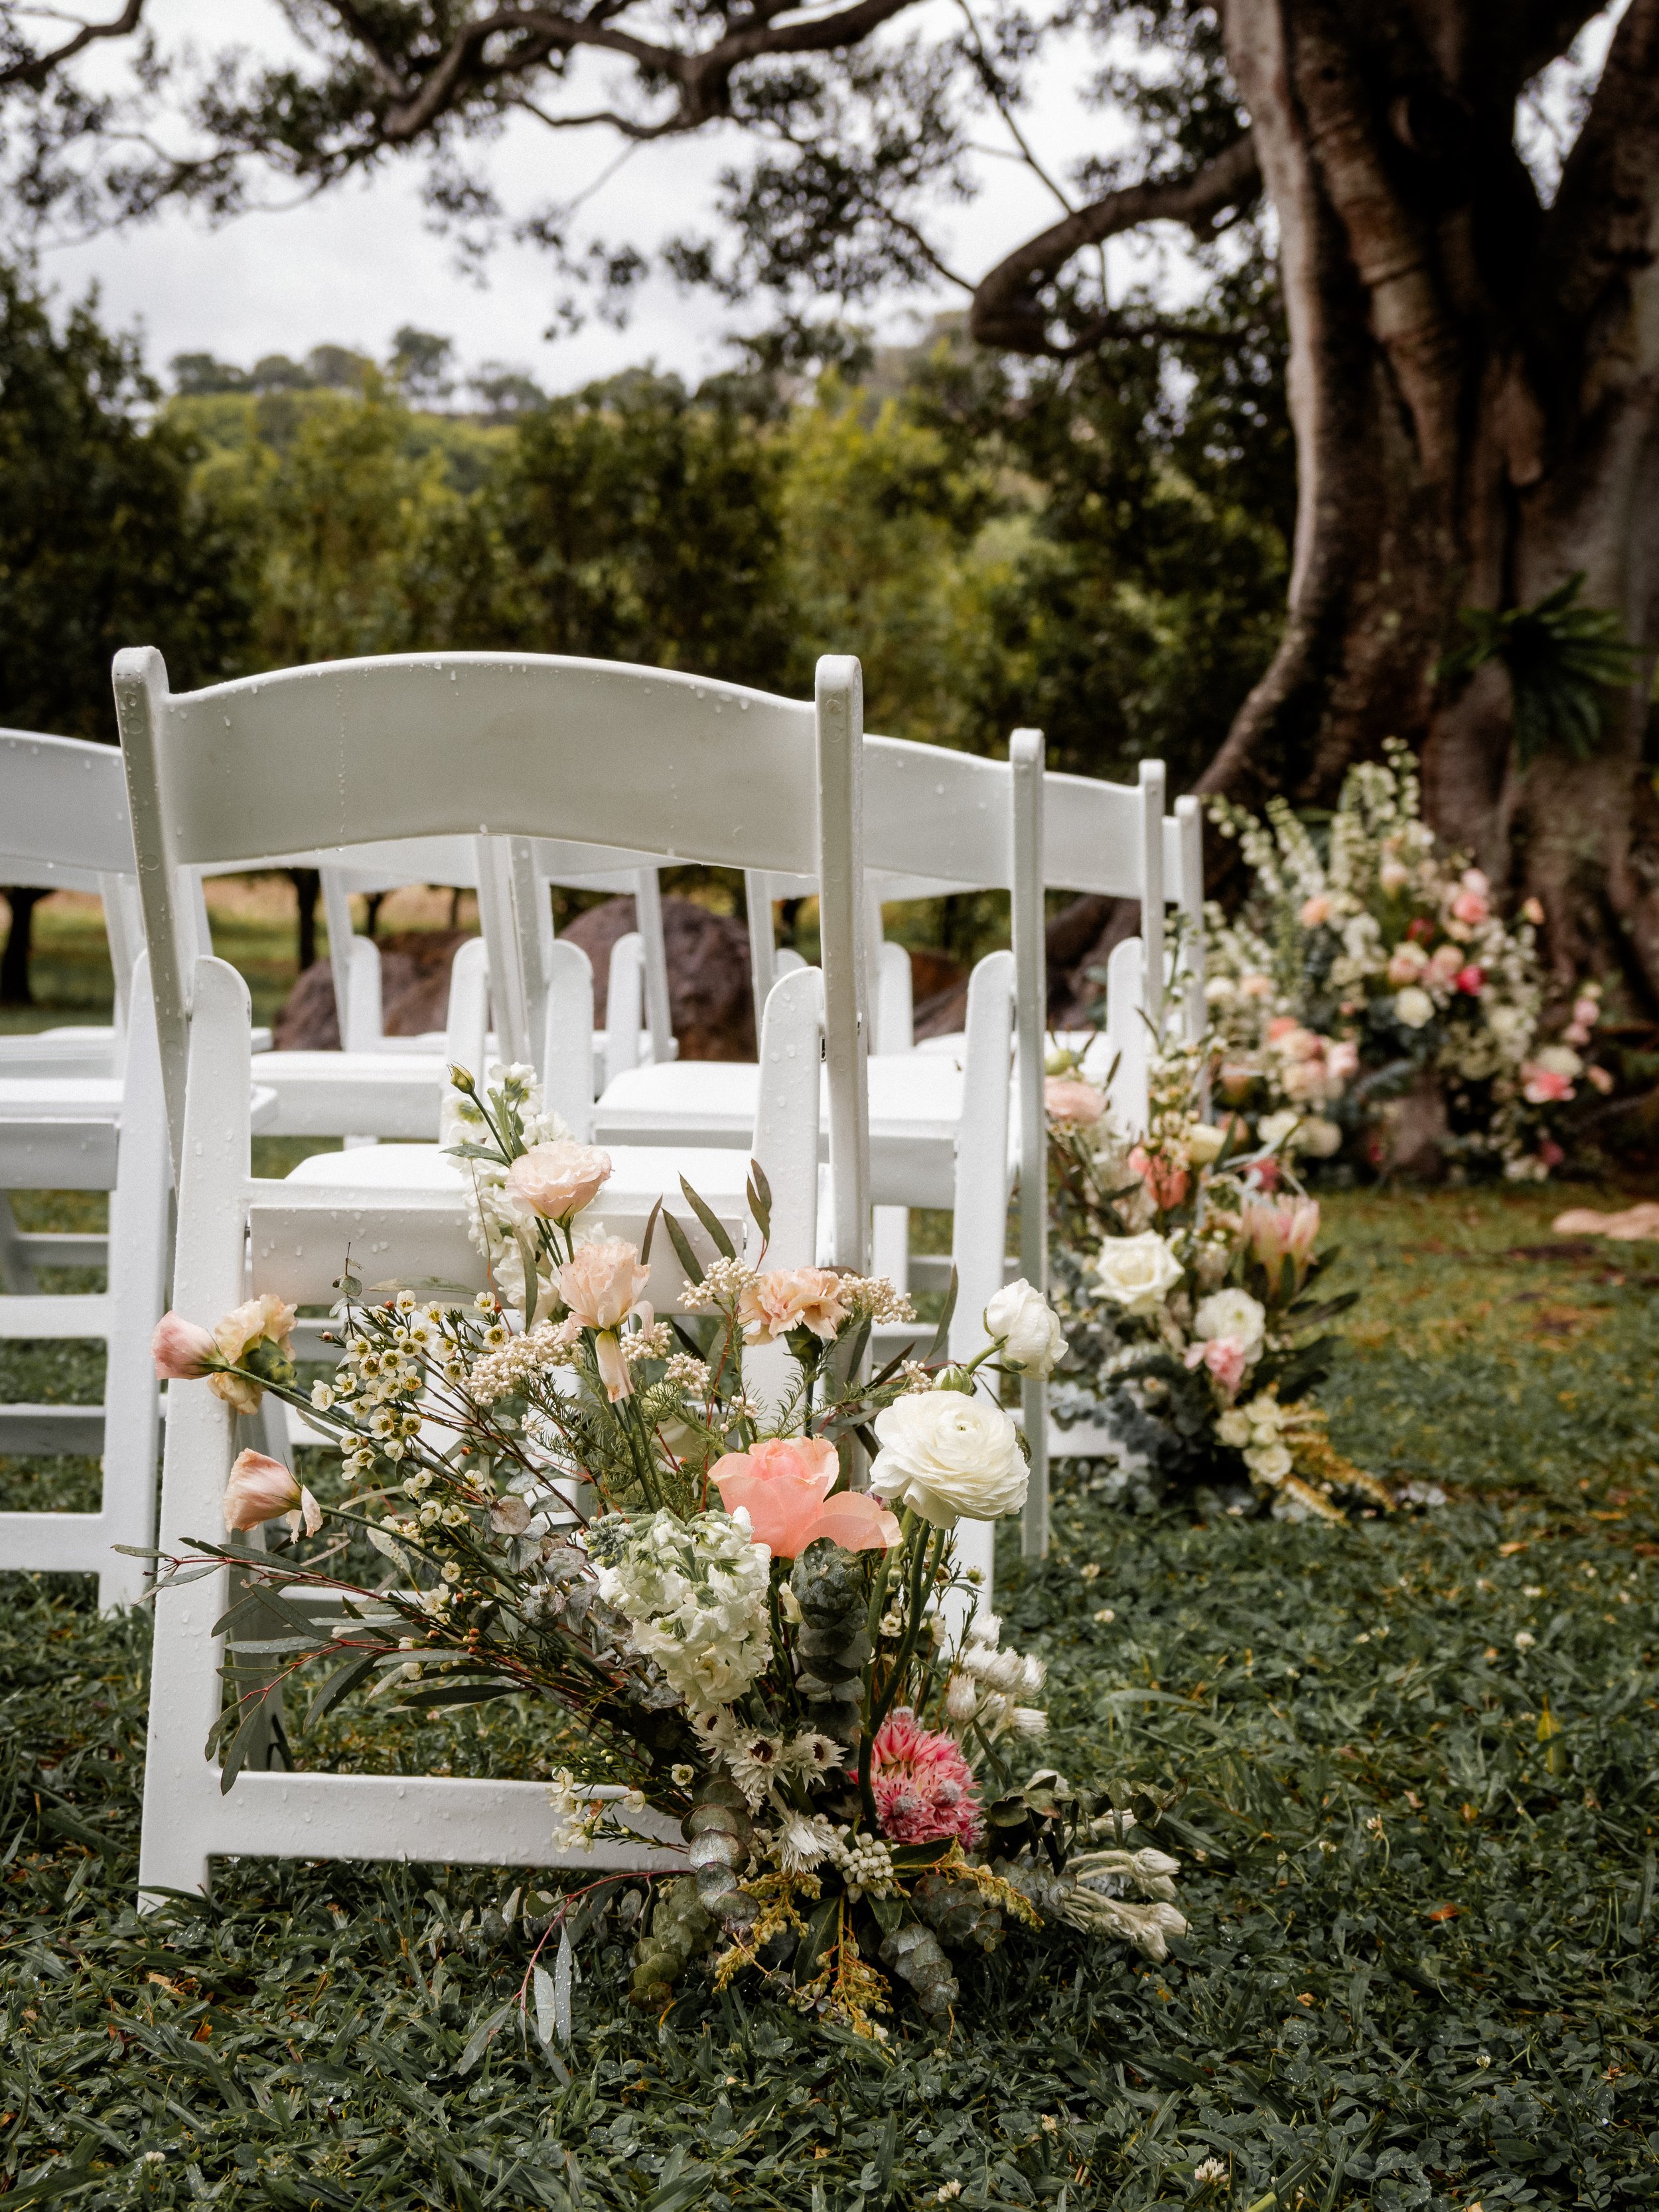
354,265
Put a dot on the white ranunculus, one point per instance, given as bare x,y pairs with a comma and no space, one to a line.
1412,1006
1232,1313
1234,1428
947,1456
1204,1143
1137,1273
1019,1318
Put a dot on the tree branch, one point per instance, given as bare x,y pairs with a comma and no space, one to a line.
1006,311
1598,234
34,71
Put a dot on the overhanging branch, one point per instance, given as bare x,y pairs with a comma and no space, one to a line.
1007,312
36,70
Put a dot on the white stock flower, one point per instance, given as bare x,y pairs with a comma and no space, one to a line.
1137,1273
1232,1313
945,1454
695,1593
1019,1319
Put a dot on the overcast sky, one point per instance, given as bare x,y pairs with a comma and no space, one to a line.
354,265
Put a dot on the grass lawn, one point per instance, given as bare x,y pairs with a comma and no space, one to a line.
1420,1966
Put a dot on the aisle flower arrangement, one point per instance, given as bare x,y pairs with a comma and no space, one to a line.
1187,1275
1370,970
652,1522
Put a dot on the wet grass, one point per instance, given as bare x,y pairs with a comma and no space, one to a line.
1420,1969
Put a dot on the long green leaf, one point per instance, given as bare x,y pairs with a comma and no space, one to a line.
711,1221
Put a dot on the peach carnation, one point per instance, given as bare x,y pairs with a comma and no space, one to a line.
924,1787
813,1298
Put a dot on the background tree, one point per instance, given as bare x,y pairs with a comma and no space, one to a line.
1472,377
97,539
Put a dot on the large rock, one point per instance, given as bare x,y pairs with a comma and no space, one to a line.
414,992
709,997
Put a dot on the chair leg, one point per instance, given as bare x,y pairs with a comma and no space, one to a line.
16,1275
138,1243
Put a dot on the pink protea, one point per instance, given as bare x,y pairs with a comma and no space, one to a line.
924,1787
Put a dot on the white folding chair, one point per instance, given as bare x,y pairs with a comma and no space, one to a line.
685,767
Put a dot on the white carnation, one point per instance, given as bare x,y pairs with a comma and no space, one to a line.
1231,1313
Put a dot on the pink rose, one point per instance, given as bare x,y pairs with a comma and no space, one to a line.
1469,980
813,1299
1586,1010
1574,1033
1072,1103
1225,1357
1470,907
1447,959
1282,1025
558,1180
1342,1060
783,1485
261,1489
1167,1181
181,1349
1315,911
1545,1086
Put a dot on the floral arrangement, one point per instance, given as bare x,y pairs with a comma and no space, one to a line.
579,1501
1372,1002
1187,1276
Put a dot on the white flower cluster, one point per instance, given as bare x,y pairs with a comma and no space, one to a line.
577,1815
865,1863
1259,1430
501,1373
378,1383
983,1696
695,1595
490,1219
756,1761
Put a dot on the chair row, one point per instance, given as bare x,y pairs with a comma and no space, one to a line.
330,761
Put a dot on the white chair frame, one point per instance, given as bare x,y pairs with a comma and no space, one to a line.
708,772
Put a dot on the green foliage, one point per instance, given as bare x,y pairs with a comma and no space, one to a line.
99,545
1563,661
1420,1973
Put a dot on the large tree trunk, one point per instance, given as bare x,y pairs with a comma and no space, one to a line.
1472,382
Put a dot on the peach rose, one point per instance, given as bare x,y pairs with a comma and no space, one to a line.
1470,907
558,1180
1315,911
1072,1103
1406,964
183,1351
783,1485
813,1298
261,1489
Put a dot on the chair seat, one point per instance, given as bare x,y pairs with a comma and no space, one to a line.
337,1094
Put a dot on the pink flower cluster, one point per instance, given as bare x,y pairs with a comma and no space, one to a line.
924,1787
